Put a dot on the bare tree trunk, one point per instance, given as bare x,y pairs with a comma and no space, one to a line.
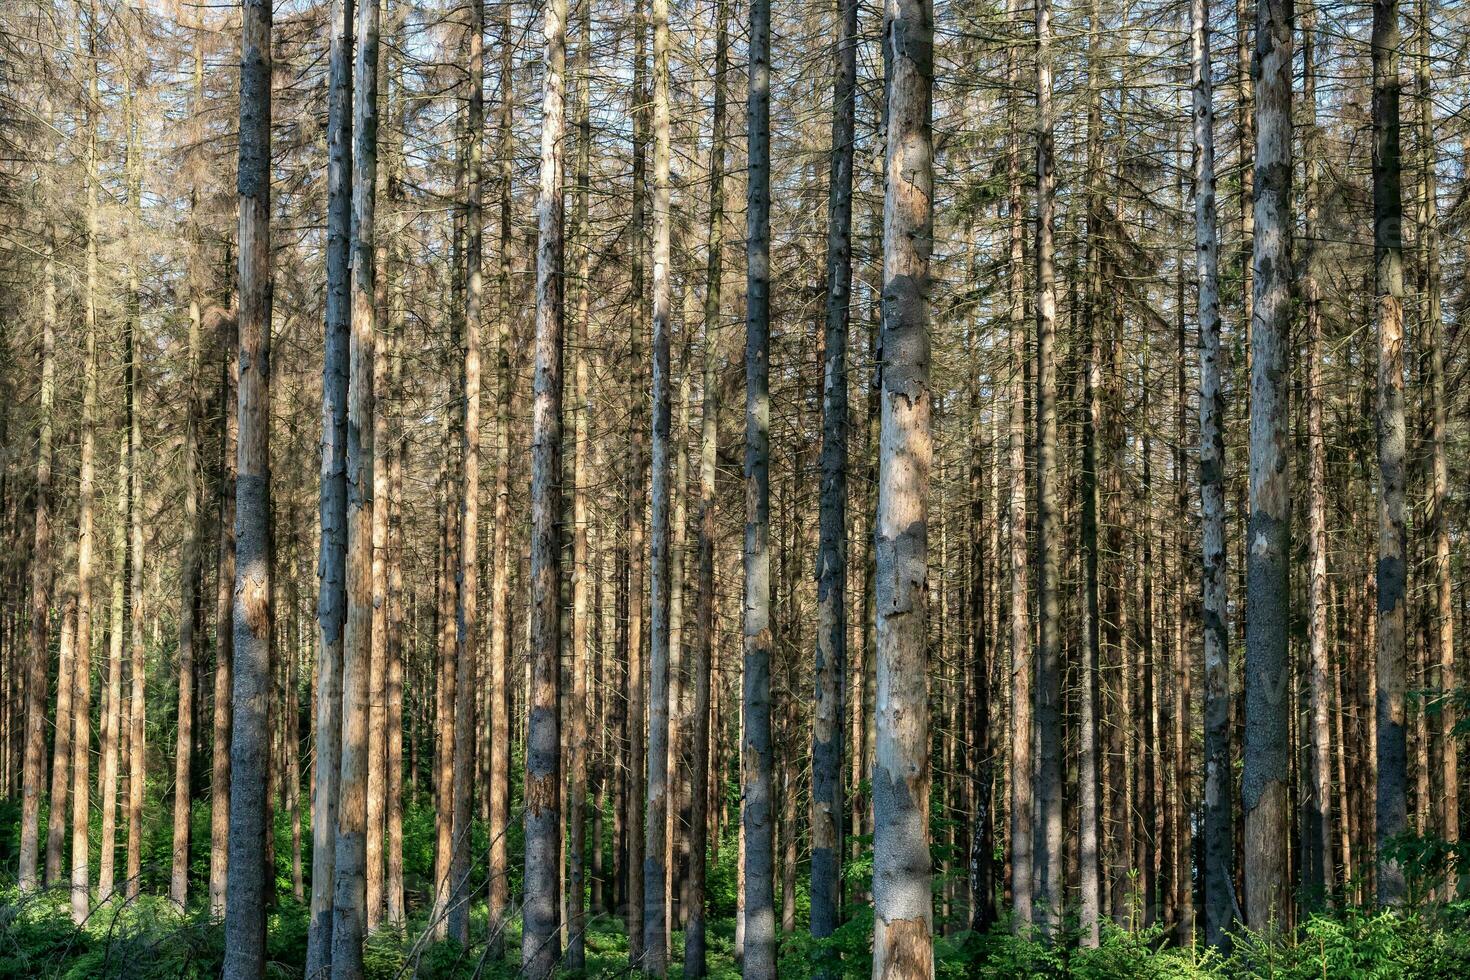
1268,675
467,574
224,617
42,574
190,568
377,753
112,717
1443,636
81,899
831,650
1021,785
332,561
540,943
1391,809
902,905
61,748
1050,873
655,871
704,613
1088,776
1219,848
582,610
245,898
394,502
349,890
1318,880
759,947
499,885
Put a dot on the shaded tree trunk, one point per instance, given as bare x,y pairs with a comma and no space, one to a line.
1264,785
332,556
249,743
540,943
1388,258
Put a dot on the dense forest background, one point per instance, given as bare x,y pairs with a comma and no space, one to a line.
842,489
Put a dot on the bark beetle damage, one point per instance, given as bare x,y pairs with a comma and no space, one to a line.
907,951
540,794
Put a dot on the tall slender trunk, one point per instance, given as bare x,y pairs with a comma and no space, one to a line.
394,450
112,715
1050,873
831,650
61,747
1388,260
582,611
1021,784
1442,638
636,475
81,898
246,888
500,594
704,611
42,575
137,755
759,947
655,870
1219,848
1318,881
224,618
902,905
190,568
349,891
332,556
540,943
377,753
467,574
1088,776
1264,785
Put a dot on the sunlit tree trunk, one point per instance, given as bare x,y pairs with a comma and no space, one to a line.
902,905
655,869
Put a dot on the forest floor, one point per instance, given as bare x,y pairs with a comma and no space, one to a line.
147,937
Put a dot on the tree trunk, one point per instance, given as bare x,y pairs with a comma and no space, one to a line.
224,617
1219,848
246,888
42,574
704,612
190,568
81,899
902,905
1318,881
499,694
540,943
1442,638
1264,785
655,870
467,574
759,947
831,650
1050,873
582,609
332,561
1391,808
1021,784
349,891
